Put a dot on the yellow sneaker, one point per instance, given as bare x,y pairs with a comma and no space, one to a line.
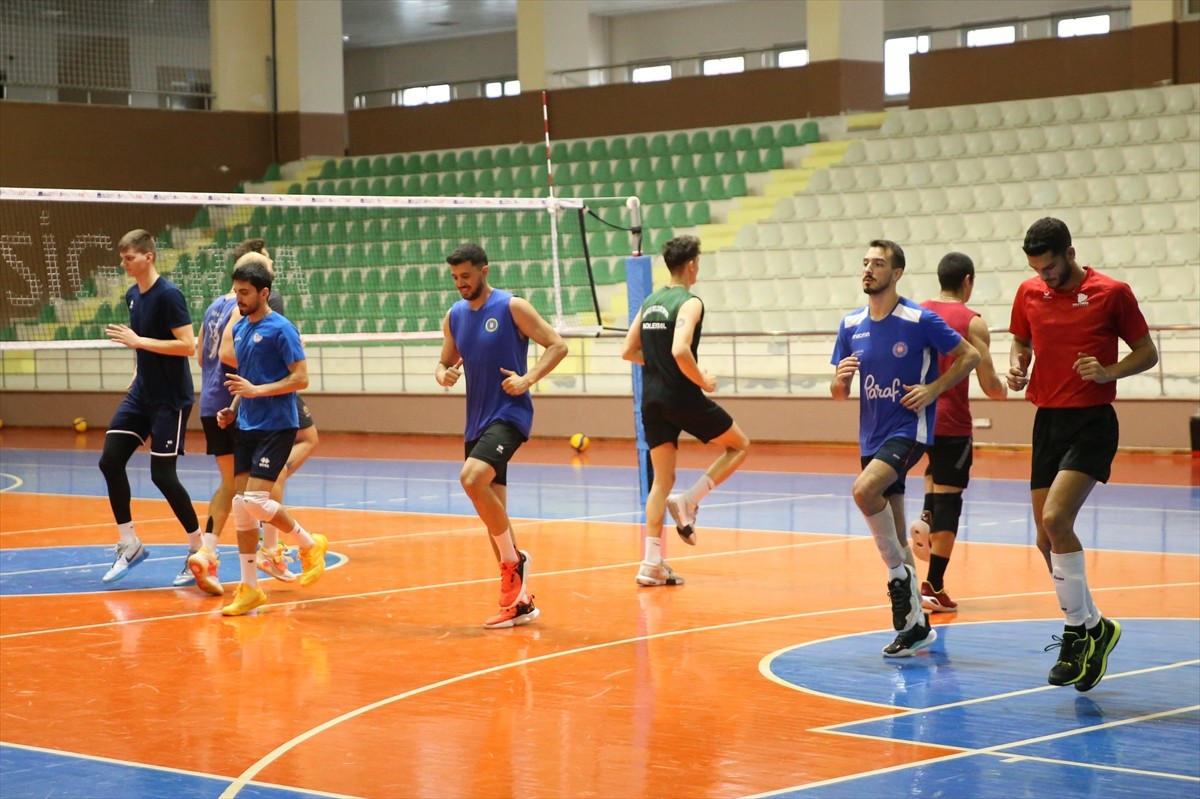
312,560
245,599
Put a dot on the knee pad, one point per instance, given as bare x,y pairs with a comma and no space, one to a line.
946,510
242,518
260,505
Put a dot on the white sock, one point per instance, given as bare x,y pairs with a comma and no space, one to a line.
209,542
699,491
270,536
504,543
883,530
653,550
194,540
249,570
909,559
128,537
1070,584
301,535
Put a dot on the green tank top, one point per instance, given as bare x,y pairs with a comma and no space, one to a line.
662,381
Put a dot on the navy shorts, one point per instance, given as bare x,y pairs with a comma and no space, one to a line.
306,420
496,447
663,423
899,453
262,453
165,427
219,440
950,460
1075,439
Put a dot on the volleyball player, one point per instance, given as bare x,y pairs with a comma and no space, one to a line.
665,338
892,341
157,403
487,334
1065,323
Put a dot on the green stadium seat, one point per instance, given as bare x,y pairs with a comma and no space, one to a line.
487,181
603,272
786,136
659,145
654,216
638,148
431,185
522,177
316,281
679,144
362,167
618,147
810,133
678,216
598,150
578,151
354,282
395,165
602,172
466,159
700,142
467,184
430,162
560,152
412,164
751,161
692,190
345,168
484,158
648,191
623,170
714,188
448,162
272,173
536,274
566,192
764,137
774,159
643,169
664,169
412,185
743,139
627,189
722,140
521,155
371,307
379,166
727,163
503,156
701,214
504,180
735,186
378,187
329,170
682,166
449,184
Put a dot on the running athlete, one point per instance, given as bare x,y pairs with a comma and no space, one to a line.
949,468
893,342
486,334
157,404
665,338
1065,322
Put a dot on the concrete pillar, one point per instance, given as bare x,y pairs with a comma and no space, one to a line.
241,54
1153,12
553,36
845,46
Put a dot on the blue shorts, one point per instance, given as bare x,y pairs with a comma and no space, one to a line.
262,453
166,427
901,454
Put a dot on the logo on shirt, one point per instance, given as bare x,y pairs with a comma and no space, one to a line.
1080,301
491,325
257,338
874,391
864,334
899,349
1046,295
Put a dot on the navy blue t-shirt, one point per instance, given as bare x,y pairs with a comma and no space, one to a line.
161,379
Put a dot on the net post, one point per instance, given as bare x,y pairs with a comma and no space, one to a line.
639,284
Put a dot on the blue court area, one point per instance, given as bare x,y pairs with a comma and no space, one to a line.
1117,517
30,772
1136,734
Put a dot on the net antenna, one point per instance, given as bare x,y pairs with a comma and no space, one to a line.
352,269
558,306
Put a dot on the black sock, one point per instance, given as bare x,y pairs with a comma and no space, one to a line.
937,571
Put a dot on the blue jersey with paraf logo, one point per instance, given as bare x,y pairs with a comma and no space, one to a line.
265,349
488,339
899,350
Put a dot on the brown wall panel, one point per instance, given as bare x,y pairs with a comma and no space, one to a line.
1125,59
62,145
1187,52
305,135
463,123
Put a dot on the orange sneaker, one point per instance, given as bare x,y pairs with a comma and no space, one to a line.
512,580
204,566
515,616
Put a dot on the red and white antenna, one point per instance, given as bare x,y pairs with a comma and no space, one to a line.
546,133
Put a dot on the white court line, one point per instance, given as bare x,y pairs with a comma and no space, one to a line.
166,770
17,482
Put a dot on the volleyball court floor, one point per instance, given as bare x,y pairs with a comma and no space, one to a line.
760,676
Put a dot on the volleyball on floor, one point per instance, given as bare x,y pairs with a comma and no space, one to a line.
80,424
580,442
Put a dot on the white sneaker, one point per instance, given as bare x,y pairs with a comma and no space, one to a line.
184,577
126,558
658,574
204,567
276,563
684,514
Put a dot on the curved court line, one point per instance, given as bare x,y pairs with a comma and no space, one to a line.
17,482
279,751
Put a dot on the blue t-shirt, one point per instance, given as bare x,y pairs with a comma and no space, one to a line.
488,339
161,379
900,350
265,349
213,394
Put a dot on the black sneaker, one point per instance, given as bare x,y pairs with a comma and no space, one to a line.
1074,651
909,642
1108,632
903,605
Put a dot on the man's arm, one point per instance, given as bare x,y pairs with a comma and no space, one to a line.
448,368
296,380
1143,355
839,387
183,344
966,357
985,372
1020,355
226,352
631,350
681,345
535,328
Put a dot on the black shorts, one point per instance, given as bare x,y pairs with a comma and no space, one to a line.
496,447
1074,439
950,460
306,420
219,439
262,453
899,453
166,427
663,423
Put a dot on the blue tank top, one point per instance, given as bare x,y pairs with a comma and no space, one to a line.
265,349
213,394
488,339
899,350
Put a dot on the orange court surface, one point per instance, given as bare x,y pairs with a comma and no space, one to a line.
760,676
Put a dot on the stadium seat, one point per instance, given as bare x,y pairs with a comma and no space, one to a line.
1068,109
810,133
618,147
679,144
743,139
1094,106
1122,104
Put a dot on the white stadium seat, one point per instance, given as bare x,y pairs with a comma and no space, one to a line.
1183,248
988,116
1058,137
1116,251
1068,109
881,203
1132,188
1150,101
1114,131
1005,140
945,173
987,196
1094,106
1143,130
1172,128
915,123
1122,104
1180,99
939,120
829,206
960,198
1109,161
1052,164
951,145
1140,157
902,149
1015,113
978,142
970,170
1087,134
934,200
1169,156
866,177
1015,194
1041,111
855,204
1024,166
1044,195
1080,162
997,167
805,205
1031,140
964,117
1093,220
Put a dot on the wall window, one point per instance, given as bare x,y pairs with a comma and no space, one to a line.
650,74
792,58
724,66
496,88
895,61
985,37
423,95
1083,26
